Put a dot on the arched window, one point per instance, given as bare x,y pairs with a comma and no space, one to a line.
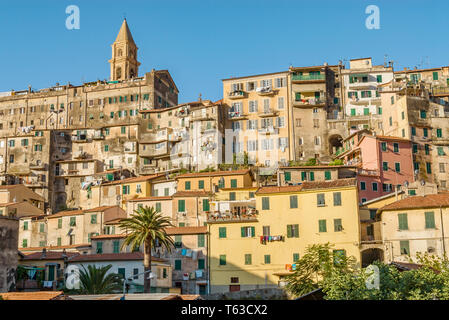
118,73
119,52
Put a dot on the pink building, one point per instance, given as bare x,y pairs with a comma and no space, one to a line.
384,163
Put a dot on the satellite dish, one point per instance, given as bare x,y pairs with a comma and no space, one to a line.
422,182
416,171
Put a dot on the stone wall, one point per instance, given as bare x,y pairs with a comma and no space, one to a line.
9,230
256,294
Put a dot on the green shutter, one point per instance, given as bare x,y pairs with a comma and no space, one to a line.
337,198
206,206
181,205
233,183
430,220
312,176
405,247
267,259
242,232
201,184
403,222
248,259
295,257
59,223
187,185
327,175
201,240
293,202
322,226
337,225
222,232
178,264
222,260
289,231
253,231
287,176
265,203
201,264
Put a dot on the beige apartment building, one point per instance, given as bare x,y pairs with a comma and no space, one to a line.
257,119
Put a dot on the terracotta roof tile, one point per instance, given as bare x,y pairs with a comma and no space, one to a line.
109,236
415,202
134,179
213,174
49,255
36,295
151,198
276,189
310,185
73,246
186,230
79,212
191,194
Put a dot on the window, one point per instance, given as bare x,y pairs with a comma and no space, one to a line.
25,225
126,189
248,259
327,175
396,147
72,221
265,203
99,247
435,75
178,264
295,257
178,241
206,206
201,184
222,260
106,148
24,243
187,185
158,207
403,221
233,183
428,167
423,114
397,167
181,205
93,219
59,223
287,176
427,149
425,132
413,131
201,264
383,146
222,232
123,130
322,226
116,246
337,198
379,78
430,220
293,202
362,185
231,196
385,166
439,133
405,247
267,259
415,148
293,231
338,225
311,176
248,232
320,200
201,240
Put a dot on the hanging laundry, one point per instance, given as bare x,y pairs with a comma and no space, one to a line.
183,252
199,273
194,255
189,253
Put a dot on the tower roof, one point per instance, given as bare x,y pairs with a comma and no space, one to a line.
124,34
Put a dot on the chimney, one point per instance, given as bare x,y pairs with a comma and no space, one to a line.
44,253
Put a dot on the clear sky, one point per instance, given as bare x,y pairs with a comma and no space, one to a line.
201,42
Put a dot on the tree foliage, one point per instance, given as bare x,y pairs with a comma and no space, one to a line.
95,280
346,281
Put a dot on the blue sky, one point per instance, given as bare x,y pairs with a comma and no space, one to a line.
201,42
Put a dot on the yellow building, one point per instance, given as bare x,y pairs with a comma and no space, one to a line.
415,224
208,181
287,220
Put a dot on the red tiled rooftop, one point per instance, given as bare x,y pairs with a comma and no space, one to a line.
213,173
191,194
49,255
36,295
418,202
150,198
73,246
309,185
186,230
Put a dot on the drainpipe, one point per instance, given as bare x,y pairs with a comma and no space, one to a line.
442,232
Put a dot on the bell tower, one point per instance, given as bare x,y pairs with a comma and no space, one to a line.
124,64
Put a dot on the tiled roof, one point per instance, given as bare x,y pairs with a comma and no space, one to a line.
109,236
183,297
392,138
36,295
415,202
213,174
112,257
73,246
186,230
78,212
150,198
114,221
276,189
134,179
316,167
191,194
49,255
310,185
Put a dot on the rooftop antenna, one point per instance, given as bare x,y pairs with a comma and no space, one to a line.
385,59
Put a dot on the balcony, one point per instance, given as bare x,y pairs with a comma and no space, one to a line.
80,138
217,217
237,95
81,155
440,92
309,77
236,115
151,151
365,172
268,113
38,166
183,112
98,136
266,91
318,102
204,128
269,130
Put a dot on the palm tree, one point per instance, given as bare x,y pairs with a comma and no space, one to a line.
95,281
147,227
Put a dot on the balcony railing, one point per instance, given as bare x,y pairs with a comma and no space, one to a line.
268,113
217,216
234,115
309,77
236,94
310,102
269,130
